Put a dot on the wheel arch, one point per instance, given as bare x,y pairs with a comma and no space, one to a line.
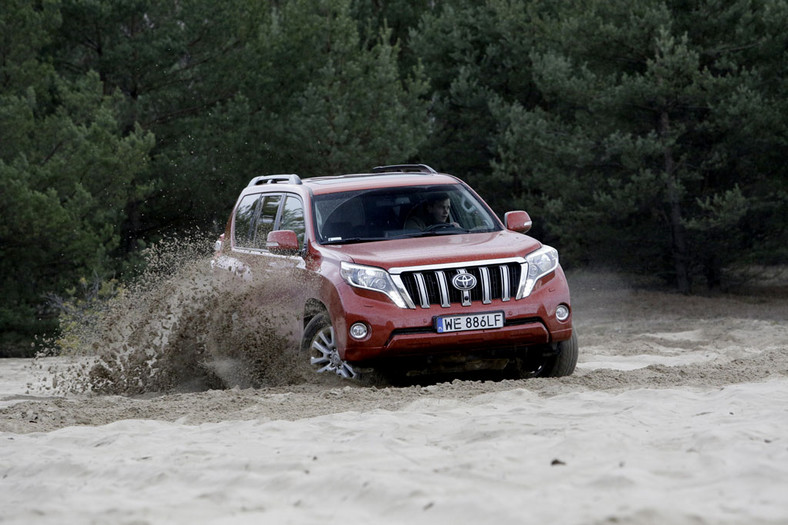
312,308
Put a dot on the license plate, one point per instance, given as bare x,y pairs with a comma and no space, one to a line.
459,323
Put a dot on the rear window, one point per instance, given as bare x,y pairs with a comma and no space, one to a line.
254,218
245,215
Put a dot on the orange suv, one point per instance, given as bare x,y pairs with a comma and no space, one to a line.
415,273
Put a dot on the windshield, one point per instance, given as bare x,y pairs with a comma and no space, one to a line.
389,213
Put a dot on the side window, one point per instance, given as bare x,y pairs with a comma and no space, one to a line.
268,209
244,222
293,218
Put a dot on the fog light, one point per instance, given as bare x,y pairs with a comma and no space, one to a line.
358,331
562,312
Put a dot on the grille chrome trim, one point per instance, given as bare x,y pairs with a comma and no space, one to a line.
447,266
422,286
444,288
485,273
403,291
506,290
430,286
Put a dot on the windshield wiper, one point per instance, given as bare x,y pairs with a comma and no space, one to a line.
444,230
353,240
437,229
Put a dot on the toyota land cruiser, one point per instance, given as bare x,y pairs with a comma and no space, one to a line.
414,273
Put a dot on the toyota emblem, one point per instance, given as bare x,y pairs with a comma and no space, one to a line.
464,281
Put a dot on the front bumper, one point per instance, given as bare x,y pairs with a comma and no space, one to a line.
396,332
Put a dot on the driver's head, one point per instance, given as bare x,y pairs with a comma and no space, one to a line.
438,208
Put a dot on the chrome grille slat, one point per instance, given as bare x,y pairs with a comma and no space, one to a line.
444,288
485,273
422,286
506,293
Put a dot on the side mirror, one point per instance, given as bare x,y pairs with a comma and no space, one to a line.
282,242
518,221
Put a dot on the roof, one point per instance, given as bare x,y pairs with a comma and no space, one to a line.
380,177
368,181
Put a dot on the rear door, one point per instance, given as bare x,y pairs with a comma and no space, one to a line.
255,216
278,282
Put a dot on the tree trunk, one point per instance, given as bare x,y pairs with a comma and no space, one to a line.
673,197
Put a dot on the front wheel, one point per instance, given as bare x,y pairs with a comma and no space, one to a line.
560,363
563,364
320,343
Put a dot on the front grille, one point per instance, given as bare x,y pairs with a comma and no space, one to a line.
434,286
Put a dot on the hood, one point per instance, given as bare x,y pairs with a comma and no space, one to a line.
439,249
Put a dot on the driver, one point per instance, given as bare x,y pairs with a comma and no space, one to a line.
434,211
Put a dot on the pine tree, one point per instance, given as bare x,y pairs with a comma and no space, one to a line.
66,168
636,155
322,100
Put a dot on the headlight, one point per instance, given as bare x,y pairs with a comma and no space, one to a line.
371,278
537,264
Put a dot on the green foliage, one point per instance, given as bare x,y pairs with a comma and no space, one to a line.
654,132
340,104
171,63
465,53
67,172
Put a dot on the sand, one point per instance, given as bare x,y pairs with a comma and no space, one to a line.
677,413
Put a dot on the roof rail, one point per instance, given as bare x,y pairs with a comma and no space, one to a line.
291,178
404,168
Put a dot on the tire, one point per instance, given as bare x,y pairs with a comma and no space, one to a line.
319,343
563,364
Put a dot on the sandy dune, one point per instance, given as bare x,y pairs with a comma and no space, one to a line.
677,413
